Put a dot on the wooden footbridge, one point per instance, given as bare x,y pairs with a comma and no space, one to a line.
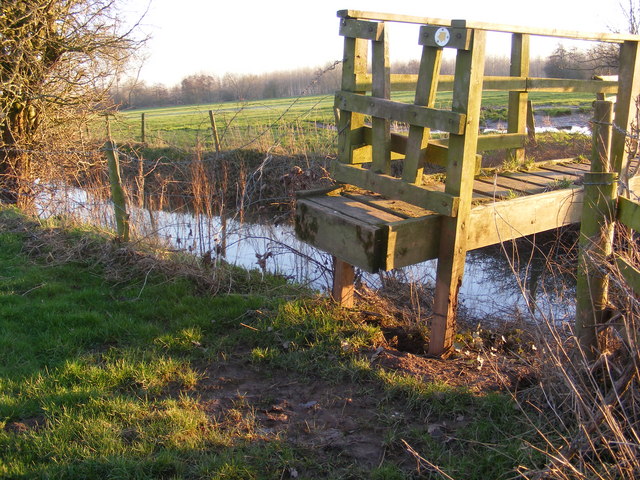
385,213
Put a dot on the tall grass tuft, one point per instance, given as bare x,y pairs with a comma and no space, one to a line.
592,407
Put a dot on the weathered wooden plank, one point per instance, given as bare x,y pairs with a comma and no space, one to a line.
492,142
354,64
527,178
570,85
509,219
404,82
566,169
435,154
500,141
441,37
491,191
467,98
344,236
630,274
412,241
551,176
629,213
493,27
514,184
395,207
391,187
585,167
517,109
418,141
360,29
444,120
333,189
381,127
364,212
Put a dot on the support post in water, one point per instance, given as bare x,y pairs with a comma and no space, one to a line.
343,288
214,131
117,192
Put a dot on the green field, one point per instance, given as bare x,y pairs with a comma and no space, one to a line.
295,125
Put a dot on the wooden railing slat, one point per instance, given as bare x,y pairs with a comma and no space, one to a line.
408,82
426,90
492,27
629,213
444,120
630,274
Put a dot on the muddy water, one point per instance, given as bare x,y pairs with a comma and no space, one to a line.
497,281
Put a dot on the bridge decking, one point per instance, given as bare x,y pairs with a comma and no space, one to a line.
376,233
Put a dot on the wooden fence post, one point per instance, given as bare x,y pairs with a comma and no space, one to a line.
461,167
531,123
517,112
143,136
596,244
596,232
117,192
343,288
214,131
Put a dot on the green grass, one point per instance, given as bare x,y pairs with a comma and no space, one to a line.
147,378
289,123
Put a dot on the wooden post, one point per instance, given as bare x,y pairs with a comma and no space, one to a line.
467,97
625,109
143,137
117,192
602,133
426,91
596,232
381,88
214,131
531,123
517,113
596,244
343,277
354,63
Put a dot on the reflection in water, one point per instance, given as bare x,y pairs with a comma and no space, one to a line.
493,285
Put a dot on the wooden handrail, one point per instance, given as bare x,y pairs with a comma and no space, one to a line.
492,27
404,82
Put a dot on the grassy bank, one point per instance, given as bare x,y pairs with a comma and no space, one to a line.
129,363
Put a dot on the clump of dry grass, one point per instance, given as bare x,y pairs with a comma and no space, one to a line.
592,407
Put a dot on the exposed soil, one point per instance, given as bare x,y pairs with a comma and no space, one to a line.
26,425
345,420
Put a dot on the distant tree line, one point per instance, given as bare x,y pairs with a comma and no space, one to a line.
202,88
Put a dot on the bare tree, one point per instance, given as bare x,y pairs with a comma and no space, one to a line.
631,12
57,61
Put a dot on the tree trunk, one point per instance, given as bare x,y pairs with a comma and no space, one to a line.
16,172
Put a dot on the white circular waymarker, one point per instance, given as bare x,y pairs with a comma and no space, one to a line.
442,36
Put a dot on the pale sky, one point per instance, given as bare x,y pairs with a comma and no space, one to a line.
245,36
